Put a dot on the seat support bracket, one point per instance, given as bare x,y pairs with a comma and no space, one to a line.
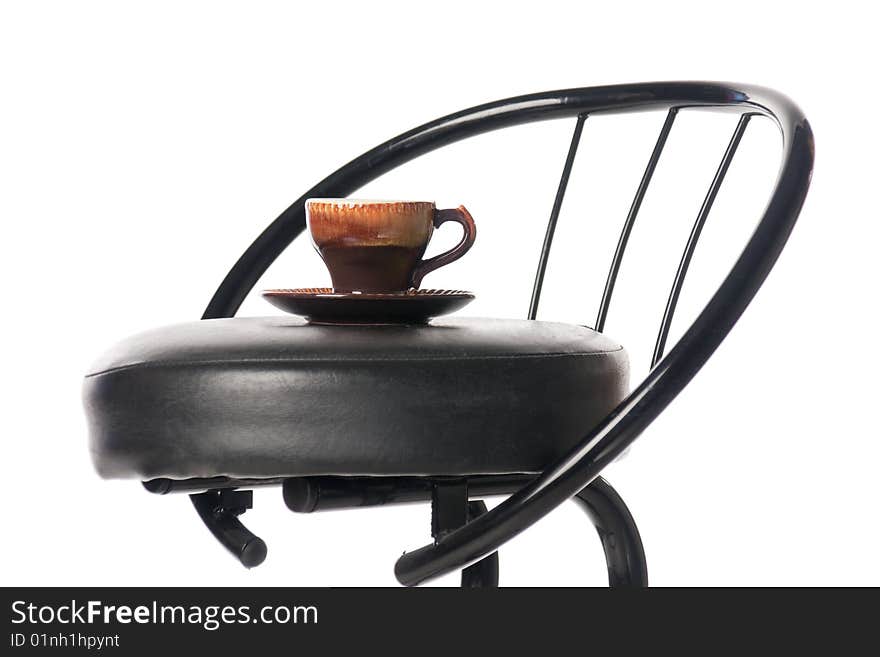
449,506
450,509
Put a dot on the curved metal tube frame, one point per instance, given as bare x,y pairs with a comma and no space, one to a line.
621,541
573,472
624,553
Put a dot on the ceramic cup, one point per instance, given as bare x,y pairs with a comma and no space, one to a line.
377,246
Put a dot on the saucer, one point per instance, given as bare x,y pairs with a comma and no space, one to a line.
321,305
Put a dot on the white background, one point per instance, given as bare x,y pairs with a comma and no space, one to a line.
143,147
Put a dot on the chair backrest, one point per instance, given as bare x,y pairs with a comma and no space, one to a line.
670,371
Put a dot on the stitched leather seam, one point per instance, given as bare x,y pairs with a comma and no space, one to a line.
257,361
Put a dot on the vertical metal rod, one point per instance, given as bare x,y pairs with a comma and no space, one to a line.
631,219
672,301
554,215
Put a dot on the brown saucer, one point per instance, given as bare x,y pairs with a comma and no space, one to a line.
321,305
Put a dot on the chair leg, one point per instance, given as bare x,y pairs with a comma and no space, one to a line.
620,538
484,573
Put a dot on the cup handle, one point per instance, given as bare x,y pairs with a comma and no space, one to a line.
459,215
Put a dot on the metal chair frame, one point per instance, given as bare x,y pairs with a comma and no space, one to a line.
466,535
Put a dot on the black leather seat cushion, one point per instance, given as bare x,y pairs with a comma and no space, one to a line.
272,397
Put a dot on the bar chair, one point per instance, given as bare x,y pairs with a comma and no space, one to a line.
217,407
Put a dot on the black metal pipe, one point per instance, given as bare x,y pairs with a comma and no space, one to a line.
308,494
693,238
624,553
554,215
164,486
630,221
484,573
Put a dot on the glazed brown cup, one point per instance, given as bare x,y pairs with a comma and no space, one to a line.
377,246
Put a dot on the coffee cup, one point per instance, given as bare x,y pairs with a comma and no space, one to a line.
377,246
